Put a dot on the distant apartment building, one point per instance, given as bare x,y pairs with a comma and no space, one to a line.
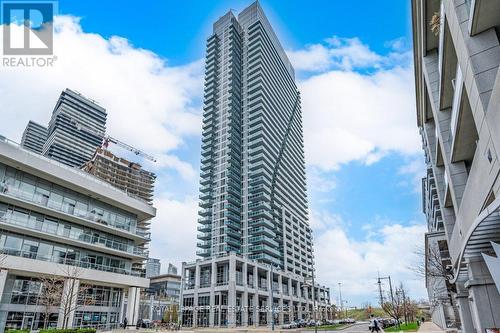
63,225
255,240
153,267
162,296
34,137
172,269
122,173
76,129
457,81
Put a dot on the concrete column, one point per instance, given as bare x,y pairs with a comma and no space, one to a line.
68,303
462,299
483,295
3,281
299,310
213,279
244,308
255,277
133,301
255,306
244,272
122,307
197,277
3,292
231,295
269,299
280,310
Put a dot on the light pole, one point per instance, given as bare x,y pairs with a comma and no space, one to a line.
340,297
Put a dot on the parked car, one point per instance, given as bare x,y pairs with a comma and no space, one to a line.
300,323
289,326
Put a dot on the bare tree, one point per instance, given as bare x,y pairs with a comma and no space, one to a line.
395,306
71,289
50,295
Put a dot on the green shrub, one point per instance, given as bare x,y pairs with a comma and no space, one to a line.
67,330
17,331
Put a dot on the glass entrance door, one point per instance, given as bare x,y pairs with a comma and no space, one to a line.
28,319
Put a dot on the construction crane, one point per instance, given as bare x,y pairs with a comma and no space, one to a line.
106,140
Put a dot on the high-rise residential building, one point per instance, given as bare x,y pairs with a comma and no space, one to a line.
161,300
120,172
76,129
172,269
153,267
65,232
34,137
457,81
253,190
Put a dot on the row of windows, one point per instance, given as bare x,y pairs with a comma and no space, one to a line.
47,224
28,187
23,246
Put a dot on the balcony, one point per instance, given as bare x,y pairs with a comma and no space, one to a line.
204,244
203,253
463,132
204,228
92,217
483,16
61,231
72,262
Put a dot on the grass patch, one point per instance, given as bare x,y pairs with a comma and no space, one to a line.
328,327
410,327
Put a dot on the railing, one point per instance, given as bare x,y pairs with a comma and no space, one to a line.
86,215
71,262
90,239
74,170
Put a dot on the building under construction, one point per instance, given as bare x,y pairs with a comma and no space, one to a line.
126,175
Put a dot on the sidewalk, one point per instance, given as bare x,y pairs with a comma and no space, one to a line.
429,327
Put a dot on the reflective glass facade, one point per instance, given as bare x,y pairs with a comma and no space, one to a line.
253,189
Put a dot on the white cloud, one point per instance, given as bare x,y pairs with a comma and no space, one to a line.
415,168
361,116
360,102
173,230
390,249
150,104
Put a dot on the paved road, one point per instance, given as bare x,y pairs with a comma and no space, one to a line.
360,327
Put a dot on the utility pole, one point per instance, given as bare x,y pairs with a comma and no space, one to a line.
396,314
404,303
381,295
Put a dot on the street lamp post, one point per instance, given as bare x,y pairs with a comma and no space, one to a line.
340,298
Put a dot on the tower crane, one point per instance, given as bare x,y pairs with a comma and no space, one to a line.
106,140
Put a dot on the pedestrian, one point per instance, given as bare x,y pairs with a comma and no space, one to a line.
374,324
125,323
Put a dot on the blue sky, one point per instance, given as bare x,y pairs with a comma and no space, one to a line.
143,61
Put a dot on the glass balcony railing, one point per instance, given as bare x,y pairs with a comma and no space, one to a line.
72,262
72,209
63,232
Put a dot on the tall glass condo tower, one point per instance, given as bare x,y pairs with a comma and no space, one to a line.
254,237
253,190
